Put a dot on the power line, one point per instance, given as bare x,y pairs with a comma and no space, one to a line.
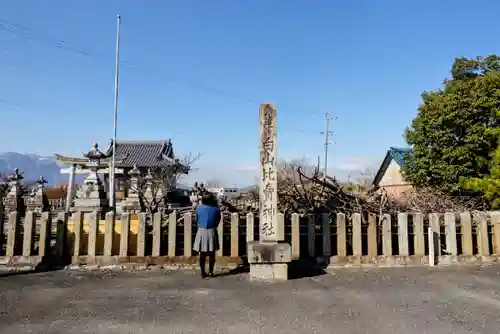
327,134
23,32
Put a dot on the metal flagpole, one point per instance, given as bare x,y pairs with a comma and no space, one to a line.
112,192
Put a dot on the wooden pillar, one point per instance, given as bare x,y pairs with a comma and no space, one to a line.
357,249
295,236
93,222
311,235
386,235
172,231
109,230
29,229
77,231
141,235
235,222
403,234
188,234
483,246
157,235
418,230
250,226
45,231
451,233
341,235
14,222
327,234
220,231
466,222
124,233
495,221
372,236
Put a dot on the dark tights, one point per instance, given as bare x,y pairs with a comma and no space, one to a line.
211,261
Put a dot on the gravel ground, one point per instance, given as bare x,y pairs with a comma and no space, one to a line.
393,300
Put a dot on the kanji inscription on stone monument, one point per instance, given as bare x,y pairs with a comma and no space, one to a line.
268,187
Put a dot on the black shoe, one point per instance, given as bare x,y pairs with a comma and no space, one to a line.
204,275
211,274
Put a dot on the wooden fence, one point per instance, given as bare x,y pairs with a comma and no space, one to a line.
335,239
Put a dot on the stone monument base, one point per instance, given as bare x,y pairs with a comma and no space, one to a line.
269,260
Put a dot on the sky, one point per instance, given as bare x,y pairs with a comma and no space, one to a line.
196,72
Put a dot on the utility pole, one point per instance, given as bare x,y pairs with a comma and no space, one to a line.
112,191
327,134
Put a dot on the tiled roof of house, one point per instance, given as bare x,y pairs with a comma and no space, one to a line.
396,154
144,153
399,154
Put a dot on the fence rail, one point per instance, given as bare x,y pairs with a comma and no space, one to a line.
338,239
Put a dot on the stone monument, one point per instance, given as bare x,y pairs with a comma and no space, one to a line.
92,195
269,257
37,202
13,200
132,203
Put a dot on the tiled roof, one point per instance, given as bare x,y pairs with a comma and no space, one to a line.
144,153
398,154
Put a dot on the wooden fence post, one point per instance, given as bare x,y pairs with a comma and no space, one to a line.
250,226
483,245
157,235
61,247
172,231
341,235
124,233
235,222
372,236
403,234
77,231
418,230
357,249
93,223
141,235
495,221
188,234
220,231
109,231
436,228
466,230
295,236
327,235
451,233
45,232
29,229
14,222
386,235
311,235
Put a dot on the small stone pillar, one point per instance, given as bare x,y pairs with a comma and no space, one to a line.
14,199
38,202
132,203
269,257
148,192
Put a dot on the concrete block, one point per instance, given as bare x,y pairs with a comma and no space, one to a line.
269,252
269,271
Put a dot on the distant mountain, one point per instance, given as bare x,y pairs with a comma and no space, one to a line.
32,166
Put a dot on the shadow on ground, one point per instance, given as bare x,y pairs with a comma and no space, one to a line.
47,264
296,269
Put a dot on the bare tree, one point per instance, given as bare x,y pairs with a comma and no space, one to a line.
302,189
154,187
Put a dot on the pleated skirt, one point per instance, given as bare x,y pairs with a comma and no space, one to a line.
206,240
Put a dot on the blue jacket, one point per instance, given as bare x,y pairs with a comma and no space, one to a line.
207,216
